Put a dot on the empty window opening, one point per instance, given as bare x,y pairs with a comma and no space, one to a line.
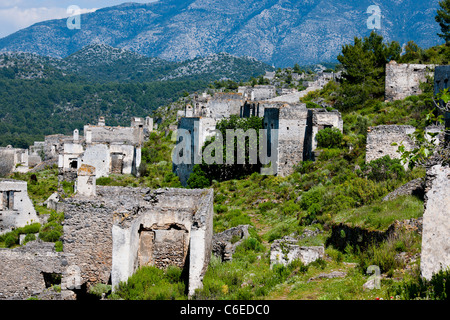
8,200
73,164
51,279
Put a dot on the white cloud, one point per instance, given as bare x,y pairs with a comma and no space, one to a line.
15,18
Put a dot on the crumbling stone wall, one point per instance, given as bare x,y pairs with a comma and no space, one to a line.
23,269
286,250
13,160
54,145
435,253
380,141
319,119
441,79
403,80
224,244
258,92
192,134
120,229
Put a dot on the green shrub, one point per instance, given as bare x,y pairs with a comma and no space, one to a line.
220,208
312,197
290,207
437,288
29,237
266,206
383,169
329,154
11,239
329,138
58,246
312,105
52,230
198,179
151,283
31,228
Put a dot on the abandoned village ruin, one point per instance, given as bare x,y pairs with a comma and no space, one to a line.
109,232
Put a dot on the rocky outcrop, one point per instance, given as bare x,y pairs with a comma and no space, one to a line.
412,188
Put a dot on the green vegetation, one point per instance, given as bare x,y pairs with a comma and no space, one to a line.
151,283
381,214
329,138
11,239
364,72
243,144
417,288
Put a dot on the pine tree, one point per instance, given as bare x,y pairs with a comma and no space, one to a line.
443,18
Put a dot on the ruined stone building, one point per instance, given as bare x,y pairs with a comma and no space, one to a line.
435,253
13,160
385,140
258,92
403,80
117,230
109,232
16,208
297,125
293,128
111,150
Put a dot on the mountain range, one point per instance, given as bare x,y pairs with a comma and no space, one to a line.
102,63
277,32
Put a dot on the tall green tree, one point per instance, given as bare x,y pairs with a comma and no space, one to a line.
443,18
364,73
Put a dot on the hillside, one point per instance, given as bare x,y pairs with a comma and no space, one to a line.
274,31
41,95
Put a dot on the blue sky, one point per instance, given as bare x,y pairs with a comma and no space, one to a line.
19,14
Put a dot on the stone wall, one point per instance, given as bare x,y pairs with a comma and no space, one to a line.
288,123
224,244
321,119
284,251
116,135
403,80
54,145
436,223
23,269
381,138
196,131
16,208
13,160
257,93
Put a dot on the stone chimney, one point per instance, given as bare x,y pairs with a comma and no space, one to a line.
76,135
86,181
101,121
